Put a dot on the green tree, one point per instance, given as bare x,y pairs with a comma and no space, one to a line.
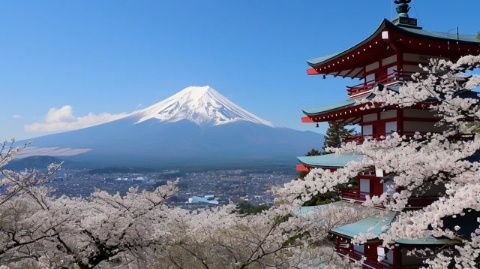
314,152
336,134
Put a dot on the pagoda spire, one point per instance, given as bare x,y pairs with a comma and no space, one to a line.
402,7
402,14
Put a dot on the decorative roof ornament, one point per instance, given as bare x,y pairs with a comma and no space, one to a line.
402,18
402,7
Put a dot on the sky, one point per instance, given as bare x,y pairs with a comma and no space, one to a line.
68,64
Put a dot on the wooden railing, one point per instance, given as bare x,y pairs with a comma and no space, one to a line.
413,202
366,86
356,256
354,195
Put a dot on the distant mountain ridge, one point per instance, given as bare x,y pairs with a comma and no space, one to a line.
195,127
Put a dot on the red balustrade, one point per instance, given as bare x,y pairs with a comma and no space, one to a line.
352,194
366,86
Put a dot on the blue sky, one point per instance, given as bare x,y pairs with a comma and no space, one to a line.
117,56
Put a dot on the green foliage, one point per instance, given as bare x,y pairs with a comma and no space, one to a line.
324,198
336,134
314,152
471,128
248,208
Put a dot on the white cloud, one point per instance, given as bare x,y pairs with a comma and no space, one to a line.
17,116
63,119
50,151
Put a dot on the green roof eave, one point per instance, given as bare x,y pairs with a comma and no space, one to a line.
439,35
329,160
330,108
375,226
428,241
320,60
346,104
314,62
317,60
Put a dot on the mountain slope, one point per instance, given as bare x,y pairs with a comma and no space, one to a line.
195,128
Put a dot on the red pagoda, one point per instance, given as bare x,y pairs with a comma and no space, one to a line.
386,59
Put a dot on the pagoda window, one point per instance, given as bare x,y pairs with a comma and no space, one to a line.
419,58
389,187
389,60
367,130
372,67
389,114
370,78
411,68
389,256
364,185
370,117
417,113
391,71
359,248
421,126
390,127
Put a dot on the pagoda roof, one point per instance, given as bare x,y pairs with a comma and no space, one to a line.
330,108
347,109
331,160
349,63
442,35
376,225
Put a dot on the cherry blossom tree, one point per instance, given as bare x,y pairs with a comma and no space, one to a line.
139,230
416,163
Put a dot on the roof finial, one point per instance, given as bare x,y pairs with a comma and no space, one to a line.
402,18
402,7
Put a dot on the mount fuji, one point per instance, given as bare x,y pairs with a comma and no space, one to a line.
194,127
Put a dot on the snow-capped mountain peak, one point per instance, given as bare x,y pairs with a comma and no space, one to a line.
202,105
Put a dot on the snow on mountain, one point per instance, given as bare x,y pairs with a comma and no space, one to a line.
195,127
201,105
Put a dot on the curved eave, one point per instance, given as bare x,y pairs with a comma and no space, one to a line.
328,109
328,160
432,35
315,62
374,225
427,241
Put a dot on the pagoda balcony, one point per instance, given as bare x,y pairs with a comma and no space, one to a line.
367,86
352,194
413,202
350,253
